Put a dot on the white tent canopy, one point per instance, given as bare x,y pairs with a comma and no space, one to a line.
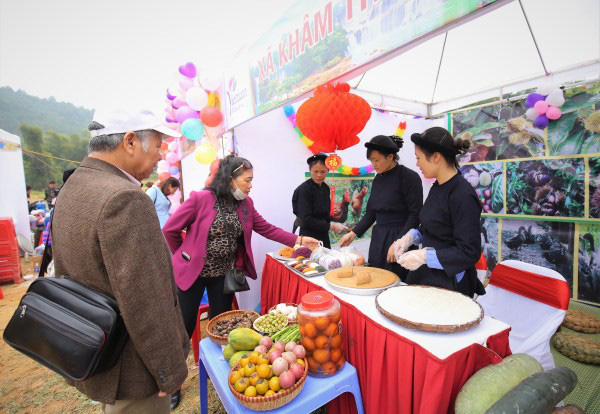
518,45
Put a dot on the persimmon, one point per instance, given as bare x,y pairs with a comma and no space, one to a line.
322,323
321,356
310,330
308,343
332,329
336,354
329,368
321,342
336,341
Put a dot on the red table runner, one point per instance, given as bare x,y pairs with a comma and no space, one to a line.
396,375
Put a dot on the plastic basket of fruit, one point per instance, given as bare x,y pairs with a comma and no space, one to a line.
270,391
270,323
290,310
218,328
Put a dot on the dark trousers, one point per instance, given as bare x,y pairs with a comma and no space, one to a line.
189,300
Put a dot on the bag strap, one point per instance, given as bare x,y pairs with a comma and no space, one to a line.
47,256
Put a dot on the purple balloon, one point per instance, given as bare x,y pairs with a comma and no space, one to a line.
178,103
185,112
189,70
173,170
541,122
532,98
170,120
169,96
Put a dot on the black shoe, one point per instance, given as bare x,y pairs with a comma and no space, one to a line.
175,399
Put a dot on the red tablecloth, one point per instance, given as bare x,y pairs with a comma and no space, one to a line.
396,375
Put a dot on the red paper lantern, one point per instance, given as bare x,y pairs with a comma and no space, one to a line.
211,116
333,117
333,162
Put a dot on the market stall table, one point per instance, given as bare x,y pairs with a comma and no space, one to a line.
316,392
400,370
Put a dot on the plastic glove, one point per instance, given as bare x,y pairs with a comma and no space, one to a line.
338,228
413,259
402,244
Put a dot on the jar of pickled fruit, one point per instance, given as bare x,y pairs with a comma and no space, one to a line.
319,316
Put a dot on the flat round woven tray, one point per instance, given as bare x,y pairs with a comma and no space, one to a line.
430,327
581,322
577,347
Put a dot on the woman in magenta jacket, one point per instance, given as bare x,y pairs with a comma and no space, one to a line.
208,251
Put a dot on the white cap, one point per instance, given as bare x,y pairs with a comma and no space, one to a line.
120,121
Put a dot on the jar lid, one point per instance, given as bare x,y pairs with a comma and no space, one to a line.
318,299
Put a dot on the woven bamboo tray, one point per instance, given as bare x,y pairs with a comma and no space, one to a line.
430,327
292,321
272,402
222,340
581,322
577,347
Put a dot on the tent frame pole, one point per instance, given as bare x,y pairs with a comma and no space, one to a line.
539,52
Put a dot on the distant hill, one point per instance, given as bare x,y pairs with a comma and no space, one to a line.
17,107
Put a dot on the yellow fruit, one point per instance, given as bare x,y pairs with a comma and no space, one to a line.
263,370
253,378
274,384
234,376
250,391
241,371
300,361
249,369
244,361
262,359
253,357
270,392
262,386
241,385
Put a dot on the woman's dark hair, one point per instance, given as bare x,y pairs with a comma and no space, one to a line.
438,139
172,181
316,159
385,145
229,167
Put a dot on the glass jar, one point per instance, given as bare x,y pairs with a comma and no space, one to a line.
319,316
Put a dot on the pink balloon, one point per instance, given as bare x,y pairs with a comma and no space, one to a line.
540,107
185,83
553,113
185,112
178,103
172,158
189,70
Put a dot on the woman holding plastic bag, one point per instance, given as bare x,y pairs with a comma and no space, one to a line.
450,220
394,203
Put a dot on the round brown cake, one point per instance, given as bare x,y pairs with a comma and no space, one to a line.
359,277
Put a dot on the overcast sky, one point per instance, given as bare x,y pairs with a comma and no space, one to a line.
99,53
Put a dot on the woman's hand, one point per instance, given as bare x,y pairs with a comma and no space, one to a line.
338,228
307,242
413,259
391,254
347,239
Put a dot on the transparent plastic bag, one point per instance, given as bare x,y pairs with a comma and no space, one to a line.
357,257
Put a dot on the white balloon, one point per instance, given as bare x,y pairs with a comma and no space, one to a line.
210,80
546,88
556,98
196,98
172,146
531,114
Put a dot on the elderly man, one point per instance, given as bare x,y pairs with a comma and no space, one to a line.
106,236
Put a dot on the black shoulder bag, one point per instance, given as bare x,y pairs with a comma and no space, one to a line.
235,279
67,327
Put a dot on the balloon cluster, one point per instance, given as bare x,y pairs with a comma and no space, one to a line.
290,113
193,106
544,106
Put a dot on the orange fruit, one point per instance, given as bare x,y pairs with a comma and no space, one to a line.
269,393
312,364
253,378
335,318
321,356
250,391
329,368
234,376
300,361
262,359
253,358
309,344
331,330
321,342
241,384
262,386
301,330
322,323
336,354
249,369
340,362
310,330
274,384
336,341
263,370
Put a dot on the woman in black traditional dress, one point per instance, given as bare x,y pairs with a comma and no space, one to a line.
450,220
394,203
311,203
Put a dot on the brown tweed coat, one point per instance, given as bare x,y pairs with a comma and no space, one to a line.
106,236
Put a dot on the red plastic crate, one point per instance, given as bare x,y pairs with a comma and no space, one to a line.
7,229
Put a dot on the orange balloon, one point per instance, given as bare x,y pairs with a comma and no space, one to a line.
211,116
164,146
163,176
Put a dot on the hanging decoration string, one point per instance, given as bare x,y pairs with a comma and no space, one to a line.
343,169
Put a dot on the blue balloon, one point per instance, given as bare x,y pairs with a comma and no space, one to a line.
173,170
193,129
288,110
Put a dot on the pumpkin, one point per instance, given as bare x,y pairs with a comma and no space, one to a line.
489,384
537,394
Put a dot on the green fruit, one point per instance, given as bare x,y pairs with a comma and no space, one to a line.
236,357
228,352
243,339
485,179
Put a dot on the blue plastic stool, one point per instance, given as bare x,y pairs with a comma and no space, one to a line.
316,392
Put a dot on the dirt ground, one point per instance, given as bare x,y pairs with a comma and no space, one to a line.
27,387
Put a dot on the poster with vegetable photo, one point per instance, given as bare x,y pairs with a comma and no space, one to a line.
588,283
489,241
577,131
498,132
541,243
594,186
350,204
546,187
487,180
